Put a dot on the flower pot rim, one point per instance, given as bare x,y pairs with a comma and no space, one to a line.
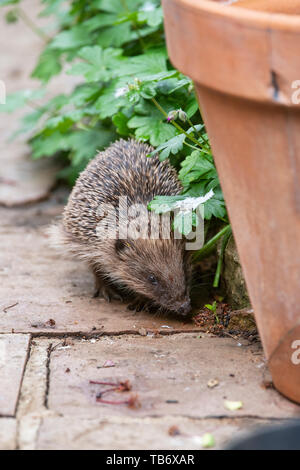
259,18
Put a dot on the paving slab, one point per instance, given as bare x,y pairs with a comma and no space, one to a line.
170,375
13,355
38,285
8,434
147,433
24,180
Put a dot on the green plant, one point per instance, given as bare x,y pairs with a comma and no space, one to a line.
213,308
128,88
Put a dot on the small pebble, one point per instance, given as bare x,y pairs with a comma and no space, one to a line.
212,383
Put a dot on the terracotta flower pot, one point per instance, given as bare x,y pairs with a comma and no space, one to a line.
245,64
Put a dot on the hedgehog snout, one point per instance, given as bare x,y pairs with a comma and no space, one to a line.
184,308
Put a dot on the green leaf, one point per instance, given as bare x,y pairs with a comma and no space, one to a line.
171,85
85,144
116,6
100,20
115,36
54,8
29,123
83,94
163,204
72,39
65,121
11,16
120,120
47,145
48,65
8,2
148,90
195,167
233,405
214,208
19,99
173,146
149,128
208,441
99,64
151,17
145,65
191,106
112,99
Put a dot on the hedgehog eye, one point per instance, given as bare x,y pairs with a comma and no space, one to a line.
120,245
153,280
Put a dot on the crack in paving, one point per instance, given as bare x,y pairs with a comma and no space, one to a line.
97,335
23,374
48,372
31,407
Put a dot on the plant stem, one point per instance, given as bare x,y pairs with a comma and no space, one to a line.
33,105
21,13
192,146
221,258
192,125
207,248
195,141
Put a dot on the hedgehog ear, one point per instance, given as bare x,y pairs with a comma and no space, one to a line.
121,245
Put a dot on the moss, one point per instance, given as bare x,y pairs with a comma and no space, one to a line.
233,278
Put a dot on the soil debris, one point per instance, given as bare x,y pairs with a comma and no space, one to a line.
120,387
48,324
174,431
212,383
143,331
107,364
220,320
10,306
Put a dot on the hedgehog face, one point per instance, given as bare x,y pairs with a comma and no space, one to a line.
156,269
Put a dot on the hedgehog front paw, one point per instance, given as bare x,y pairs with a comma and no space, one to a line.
137,306
108,294
96,293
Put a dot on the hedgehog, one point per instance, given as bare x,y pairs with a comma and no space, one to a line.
155,273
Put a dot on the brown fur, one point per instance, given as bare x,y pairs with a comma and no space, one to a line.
126,265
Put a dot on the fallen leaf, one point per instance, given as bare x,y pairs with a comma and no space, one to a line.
208,441
233,405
